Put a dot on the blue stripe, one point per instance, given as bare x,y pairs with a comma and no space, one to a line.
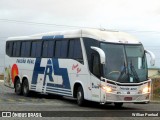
55,88
61,72
57,71
53,37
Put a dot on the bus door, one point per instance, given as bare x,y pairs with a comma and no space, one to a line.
95,77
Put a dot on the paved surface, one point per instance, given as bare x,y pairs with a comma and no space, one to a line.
9,101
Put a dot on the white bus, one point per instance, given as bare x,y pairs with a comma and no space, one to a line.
87,64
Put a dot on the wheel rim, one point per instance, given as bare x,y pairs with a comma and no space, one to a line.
25,89
18,87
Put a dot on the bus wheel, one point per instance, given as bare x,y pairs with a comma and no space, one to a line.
25,88
18,89
118,105
80,96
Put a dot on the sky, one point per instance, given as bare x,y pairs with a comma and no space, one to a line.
137,17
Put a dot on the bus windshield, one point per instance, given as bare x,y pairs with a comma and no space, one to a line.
125,63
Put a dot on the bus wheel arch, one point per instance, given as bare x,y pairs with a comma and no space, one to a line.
25,87
78,93
17,86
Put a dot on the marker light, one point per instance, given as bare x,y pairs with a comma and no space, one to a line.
107,89
146,90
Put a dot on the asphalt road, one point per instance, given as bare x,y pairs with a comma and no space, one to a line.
66,108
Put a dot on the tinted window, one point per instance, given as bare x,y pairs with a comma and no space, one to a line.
36,49
71,49
58,49
45,49
88,42
75,50
9,47
16,49
48,49
28,49
64,48
25,49
96,65
61,48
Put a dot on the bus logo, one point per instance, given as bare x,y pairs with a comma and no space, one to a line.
52,66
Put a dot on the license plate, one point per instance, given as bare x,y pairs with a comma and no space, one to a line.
128,98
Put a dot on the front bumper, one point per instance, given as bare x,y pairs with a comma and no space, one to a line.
136,98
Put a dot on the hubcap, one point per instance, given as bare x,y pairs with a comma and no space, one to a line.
18,86
25,89
79,95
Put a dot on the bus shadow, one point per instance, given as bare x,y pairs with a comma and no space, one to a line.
72,101
98,106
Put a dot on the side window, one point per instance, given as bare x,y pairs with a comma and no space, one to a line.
61,48
16,49
71,49
28,49
96,65
9,47
25,49
78,50
75,51
36,49
48,48
64,48
45,49
58,49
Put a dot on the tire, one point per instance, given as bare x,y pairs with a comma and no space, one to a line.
118,105
25,88
18,87
80,96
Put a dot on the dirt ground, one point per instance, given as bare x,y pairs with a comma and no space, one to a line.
156,88
1,77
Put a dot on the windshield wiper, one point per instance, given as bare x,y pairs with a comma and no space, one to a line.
122,72
135,75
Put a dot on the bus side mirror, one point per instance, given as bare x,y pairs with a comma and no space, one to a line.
152,61
101,54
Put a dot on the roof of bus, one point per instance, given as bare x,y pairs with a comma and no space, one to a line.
101,35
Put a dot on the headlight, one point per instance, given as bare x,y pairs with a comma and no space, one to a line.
145,90
107,88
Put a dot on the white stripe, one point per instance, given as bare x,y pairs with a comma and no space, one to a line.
59,91
49,87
